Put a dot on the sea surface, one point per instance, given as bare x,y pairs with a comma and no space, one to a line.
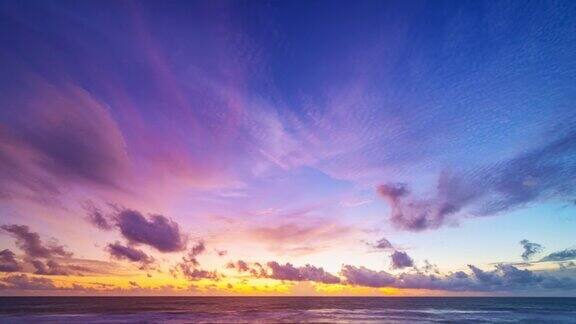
286,310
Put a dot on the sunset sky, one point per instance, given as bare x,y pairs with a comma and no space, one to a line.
288,148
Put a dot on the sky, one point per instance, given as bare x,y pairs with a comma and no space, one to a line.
378,148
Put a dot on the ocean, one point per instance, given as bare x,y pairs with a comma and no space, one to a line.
286,310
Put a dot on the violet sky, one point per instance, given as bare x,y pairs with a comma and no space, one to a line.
288,147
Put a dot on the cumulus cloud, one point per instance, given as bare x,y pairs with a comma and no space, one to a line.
275,270
306,273
542,173
31,244
361,276
157,231
401,260
530,249
502,278
564,255
8,262
122,252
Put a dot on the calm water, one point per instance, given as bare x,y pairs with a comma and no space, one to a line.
286,309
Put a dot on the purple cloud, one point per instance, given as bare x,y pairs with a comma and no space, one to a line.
32,245
156,231
503,278
306,273
191,272
197,249
542,173
24,282
401,260
530,249
50,268
189,267
275,270
240,266
96,217
61,138
8,262
121,252
361,276
383,244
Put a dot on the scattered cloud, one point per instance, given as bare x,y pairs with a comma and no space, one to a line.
8,262
361,276
306,273
289,272
503,278
530,249
189,267
31,244
539,174
383,244
121,252
96,217
25,282
564,255
49,268
156,231
401,260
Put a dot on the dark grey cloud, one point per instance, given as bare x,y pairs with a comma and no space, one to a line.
31,244
306,273
122,252
156,231
564,255
401,260
8,262
547,171
530,249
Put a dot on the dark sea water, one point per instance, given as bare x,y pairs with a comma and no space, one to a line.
285,309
